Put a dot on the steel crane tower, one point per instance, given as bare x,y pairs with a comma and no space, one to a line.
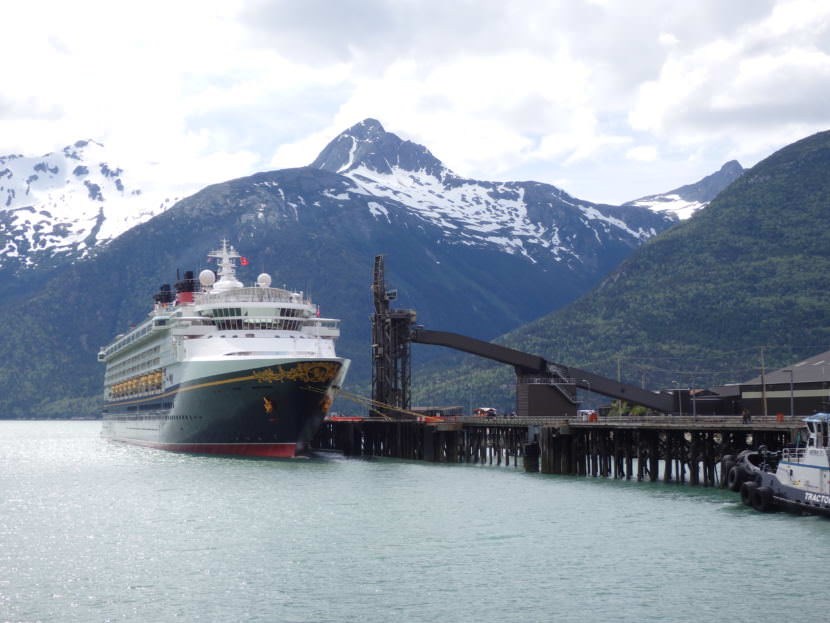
391,350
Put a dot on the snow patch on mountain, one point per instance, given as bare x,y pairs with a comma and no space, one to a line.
378,210
67,202
671,204
681,203
468,210
473,212
607,222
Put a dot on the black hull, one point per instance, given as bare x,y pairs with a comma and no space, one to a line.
267,411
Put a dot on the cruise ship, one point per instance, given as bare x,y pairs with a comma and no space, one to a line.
221,368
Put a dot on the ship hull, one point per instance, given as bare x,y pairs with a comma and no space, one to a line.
264,411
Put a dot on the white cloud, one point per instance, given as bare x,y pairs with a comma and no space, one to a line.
770,82
469,115
218,88
667,39
642,153
303,151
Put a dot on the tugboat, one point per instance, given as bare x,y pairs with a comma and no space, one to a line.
794,479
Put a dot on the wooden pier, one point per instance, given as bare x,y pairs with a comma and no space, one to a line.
672,449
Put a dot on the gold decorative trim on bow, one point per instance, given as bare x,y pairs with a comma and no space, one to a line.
311,372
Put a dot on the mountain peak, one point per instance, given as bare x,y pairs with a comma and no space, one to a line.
706,189
733,167
63,203
367,144
366,130
686,200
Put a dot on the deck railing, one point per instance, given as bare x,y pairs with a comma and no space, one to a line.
250,295
793,454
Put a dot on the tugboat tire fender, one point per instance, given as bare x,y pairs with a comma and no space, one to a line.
747,490
761,499
734,478
726,467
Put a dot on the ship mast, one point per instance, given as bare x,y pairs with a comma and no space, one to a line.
227,267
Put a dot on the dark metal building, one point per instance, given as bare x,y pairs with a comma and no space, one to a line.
802,388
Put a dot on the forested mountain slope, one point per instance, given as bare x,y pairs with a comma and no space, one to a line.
696,304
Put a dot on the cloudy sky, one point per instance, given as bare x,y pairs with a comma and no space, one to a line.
610,100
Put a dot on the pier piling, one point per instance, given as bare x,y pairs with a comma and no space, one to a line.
656,449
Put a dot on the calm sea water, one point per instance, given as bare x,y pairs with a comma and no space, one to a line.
96,531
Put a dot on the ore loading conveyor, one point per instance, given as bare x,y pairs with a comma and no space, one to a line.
543,388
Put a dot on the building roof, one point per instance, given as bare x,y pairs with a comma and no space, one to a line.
730,390
813,370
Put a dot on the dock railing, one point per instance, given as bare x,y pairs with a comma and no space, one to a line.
640,421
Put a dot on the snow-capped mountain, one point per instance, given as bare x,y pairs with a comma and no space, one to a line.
684,201
63,203
532,219
476,257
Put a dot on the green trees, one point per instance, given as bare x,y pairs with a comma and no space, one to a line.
697,303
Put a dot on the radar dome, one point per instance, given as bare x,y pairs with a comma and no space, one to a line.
264,280
207,278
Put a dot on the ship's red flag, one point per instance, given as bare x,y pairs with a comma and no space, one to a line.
243,261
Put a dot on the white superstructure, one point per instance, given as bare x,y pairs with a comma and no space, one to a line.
223,327
808,468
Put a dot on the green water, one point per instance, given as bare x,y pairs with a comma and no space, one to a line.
97,531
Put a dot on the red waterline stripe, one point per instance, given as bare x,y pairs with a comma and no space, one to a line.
275,450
